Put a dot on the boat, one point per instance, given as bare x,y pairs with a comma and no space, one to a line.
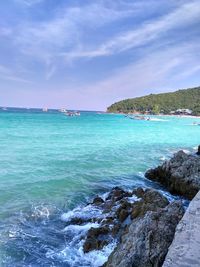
72,113
45,109
63,110
142,118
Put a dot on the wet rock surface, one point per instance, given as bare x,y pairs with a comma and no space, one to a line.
137,227
141,222
146,241
180,175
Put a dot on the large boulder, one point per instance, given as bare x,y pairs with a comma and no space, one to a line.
180,175
151,201
93,242
146,241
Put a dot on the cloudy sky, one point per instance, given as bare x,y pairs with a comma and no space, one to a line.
87,54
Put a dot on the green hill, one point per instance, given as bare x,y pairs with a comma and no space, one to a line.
161,103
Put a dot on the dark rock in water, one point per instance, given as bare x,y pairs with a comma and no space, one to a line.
108,206
90,244
145,242
139,192
123,211
116,229
180,175
94,240
117,193
80,221
198,151
77,221
94,244
123,214
97,201
95,232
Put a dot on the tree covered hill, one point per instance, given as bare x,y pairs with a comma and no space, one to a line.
161,103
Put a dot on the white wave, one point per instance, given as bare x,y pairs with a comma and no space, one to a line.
80,228
89,211
163,158
40,212
133,199
186,151
73,255
156,119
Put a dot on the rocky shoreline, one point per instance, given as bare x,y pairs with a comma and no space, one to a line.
180,175
142,222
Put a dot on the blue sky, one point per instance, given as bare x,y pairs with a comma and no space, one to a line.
87,54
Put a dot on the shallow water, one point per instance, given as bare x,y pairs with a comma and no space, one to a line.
51,163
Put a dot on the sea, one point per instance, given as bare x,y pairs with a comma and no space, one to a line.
52,165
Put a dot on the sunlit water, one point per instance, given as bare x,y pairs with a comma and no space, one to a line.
51,164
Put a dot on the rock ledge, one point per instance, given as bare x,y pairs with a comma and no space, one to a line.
180,175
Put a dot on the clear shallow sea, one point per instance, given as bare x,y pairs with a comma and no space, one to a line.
51,164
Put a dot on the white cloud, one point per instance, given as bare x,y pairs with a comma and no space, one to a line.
148,32
61,39
66,28
162,70
8,74
46,41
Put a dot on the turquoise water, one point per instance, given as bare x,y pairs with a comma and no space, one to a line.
51,163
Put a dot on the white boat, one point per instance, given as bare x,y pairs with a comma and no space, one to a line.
72,113
142,118
63,110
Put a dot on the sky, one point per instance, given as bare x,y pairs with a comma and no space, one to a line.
88,54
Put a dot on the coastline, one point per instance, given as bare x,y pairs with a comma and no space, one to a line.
128,226
160,115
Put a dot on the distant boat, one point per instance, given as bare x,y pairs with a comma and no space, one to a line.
63,110
142,118
77,113
45,109
72,113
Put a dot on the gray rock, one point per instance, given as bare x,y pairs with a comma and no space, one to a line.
151,201
146,242
180,175
185,248
97,201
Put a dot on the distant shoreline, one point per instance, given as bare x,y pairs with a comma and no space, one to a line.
179,116
161,115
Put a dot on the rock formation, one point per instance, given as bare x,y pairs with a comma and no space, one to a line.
142,222
180,175
147,239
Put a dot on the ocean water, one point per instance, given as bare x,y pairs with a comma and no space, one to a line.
51,165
